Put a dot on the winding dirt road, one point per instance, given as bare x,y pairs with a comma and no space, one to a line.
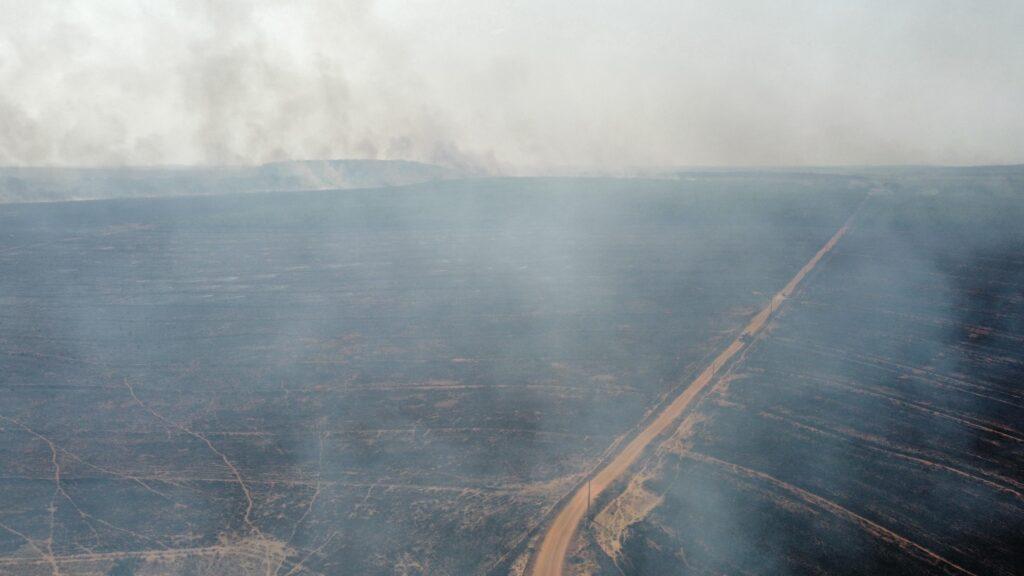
550,557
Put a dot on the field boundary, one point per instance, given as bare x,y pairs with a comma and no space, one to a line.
569,512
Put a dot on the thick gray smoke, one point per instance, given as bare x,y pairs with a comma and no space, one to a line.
513,87
101,83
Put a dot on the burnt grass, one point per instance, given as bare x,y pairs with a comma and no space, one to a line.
889,389
403,380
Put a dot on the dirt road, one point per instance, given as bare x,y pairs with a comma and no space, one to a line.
550,557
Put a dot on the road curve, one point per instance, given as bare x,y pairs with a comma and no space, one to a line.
550,557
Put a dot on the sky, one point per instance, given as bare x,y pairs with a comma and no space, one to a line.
512,86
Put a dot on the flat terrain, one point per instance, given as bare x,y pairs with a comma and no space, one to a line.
402,380
877,426
56,184
551,555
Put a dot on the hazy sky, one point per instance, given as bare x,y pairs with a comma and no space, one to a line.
512,85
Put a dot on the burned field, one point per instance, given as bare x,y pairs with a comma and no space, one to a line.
401,380
878,425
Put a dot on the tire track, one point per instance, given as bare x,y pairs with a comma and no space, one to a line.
870,526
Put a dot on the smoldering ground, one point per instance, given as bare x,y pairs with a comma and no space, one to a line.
417,371
884,391
405,380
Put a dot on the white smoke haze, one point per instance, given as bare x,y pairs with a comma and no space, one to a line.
511,87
